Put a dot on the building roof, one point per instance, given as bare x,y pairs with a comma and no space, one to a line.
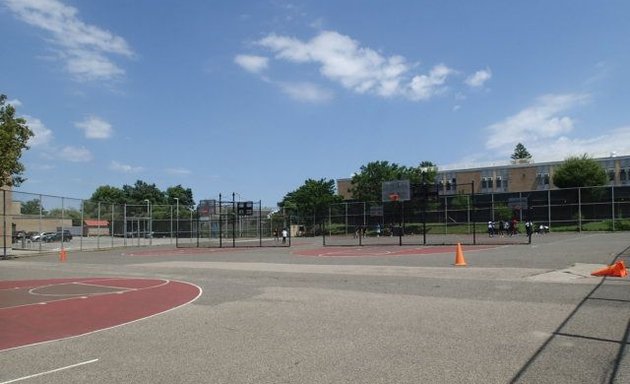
96,223
530,163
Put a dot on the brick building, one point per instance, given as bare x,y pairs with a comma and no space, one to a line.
516,177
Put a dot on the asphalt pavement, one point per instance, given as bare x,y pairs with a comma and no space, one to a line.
518,313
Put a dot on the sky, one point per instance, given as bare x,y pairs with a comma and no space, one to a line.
256,97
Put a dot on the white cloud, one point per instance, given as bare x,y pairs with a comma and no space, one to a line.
542,121
479,78
308,92
617,141
552,149
545,128
76,155
95,128
124,168
251,63
42,135
83,47
360,69
178,171
424,87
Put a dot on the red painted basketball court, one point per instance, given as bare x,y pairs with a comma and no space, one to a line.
37,311
383,251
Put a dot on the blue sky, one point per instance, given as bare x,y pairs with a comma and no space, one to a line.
255,97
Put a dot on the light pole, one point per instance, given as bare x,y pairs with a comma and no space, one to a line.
147,229
176,219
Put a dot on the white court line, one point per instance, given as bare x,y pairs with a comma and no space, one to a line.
49,372
113,326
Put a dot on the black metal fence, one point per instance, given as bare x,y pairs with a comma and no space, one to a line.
237,224
474,218
32,223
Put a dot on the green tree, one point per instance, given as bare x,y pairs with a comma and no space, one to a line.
68,213
367,184
310,202
460,201
141,191
14,134
32,207
521,154
109,194
579,171
503,212
184,195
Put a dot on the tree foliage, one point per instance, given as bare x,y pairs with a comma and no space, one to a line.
14,135
367,184
184,195
311,201
32,207
109,194
521,153
579,171
67,213
140,191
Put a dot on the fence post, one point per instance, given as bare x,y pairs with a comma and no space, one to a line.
234,220
612,188
39,222
580,209
346,206
124,226
549,208
220,225
445,215
472,197
111,233
4,226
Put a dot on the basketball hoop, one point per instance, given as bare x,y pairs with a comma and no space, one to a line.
394,197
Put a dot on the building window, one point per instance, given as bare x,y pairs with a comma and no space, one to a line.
546,179
611,175
623,174
499,182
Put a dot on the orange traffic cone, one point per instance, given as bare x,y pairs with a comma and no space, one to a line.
616,270
62,255
459,256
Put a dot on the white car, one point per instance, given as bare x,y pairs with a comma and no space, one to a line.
38,237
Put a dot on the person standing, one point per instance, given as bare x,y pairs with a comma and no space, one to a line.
285,233
529,228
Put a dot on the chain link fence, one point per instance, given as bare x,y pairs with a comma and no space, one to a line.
35,223
467,218
236,224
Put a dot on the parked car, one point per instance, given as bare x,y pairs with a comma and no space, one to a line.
40,236
58,236
18,235
29,235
